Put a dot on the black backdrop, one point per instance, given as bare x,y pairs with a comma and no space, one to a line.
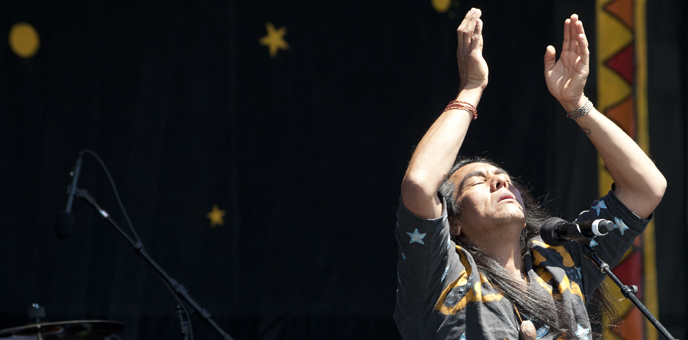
305,152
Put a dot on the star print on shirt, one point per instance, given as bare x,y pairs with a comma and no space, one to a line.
600,205
582,333
619,224
417,237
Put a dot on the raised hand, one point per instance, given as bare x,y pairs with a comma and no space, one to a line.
567,76
473,69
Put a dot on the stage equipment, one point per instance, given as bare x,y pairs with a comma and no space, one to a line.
628,292
556,231
65,330
178,291
65,219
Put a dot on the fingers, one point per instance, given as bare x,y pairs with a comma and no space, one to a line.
575,39
478,26
478,35
582,38
473,70
584,54
550,58
471,17
573,34
471,25
573,30
579,26
566,46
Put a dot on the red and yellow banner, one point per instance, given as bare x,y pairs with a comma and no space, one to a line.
622,96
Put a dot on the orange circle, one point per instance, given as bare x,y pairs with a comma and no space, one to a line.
441,6
23,40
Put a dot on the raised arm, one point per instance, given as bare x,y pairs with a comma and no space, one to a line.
436,152
638,183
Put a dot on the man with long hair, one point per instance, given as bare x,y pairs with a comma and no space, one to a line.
471,262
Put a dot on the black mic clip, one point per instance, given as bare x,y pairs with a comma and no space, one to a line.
83,194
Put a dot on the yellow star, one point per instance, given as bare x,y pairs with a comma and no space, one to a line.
275,39
216,216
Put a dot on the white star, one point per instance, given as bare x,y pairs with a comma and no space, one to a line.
600,205
417,237
619,224
582,333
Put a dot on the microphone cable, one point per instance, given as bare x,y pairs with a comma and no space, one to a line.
114,188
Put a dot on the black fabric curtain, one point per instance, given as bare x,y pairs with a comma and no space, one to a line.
304,152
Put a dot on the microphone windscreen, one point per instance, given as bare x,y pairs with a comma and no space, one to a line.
548,231
64,224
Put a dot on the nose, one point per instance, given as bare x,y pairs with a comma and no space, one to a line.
499,182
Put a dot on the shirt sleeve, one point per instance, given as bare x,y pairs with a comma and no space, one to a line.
427,260
611,247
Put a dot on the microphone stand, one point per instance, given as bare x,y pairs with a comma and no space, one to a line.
627,291
138,247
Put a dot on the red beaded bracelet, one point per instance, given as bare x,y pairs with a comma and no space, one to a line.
461,105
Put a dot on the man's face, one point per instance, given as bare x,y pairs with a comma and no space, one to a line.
488,200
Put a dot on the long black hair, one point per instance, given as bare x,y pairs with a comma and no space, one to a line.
532,302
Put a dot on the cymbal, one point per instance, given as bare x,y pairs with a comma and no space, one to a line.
65,330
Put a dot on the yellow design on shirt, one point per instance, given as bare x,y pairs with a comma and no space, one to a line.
575,290
568,261
473,294
544,276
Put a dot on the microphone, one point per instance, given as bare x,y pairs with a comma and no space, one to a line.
556,231
65,219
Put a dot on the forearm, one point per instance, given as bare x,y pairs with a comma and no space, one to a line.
436,152
434,157
638,182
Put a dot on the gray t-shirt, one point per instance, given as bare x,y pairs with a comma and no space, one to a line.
441,294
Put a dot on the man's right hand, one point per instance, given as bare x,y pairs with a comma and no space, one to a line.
436,152
473,70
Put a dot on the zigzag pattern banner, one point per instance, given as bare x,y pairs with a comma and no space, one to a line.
622,96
